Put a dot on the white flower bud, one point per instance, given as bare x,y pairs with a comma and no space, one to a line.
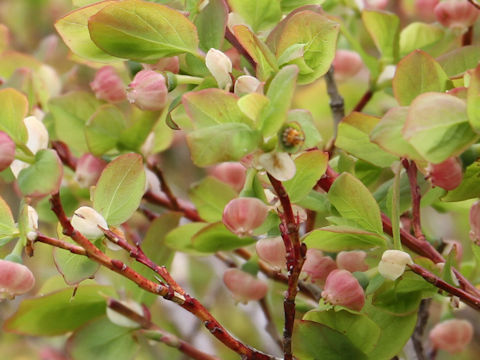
37,134
247,84
32,216
393,264
220,66
86,220
279,164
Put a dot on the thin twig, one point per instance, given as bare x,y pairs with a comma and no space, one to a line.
65,154
467,38
411,169
417,336
337,104
474,3
164,186
363,100
74,249
162,200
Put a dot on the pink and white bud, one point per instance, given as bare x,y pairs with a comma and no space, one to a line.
453,244
120,320
347,63
15,279
148,91
317,266
88,171
7,150
220,66
342,288
475,222
451,335
171,64
107,85
393,263
456,13
448,174
247,84
86,221
231,173
244,286
352,260
279,164
243,215
272,251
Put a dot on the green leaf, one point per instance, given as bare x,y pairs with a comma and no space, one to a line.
457,61
358,328
315,341
469,188
310,167
33,315
13,109
416,74
308,39
280,92
142,31
216,237
354,202
418,35
43,177
259,52
316,201
120,188
70,112
473,100
7,224
437,126
252,105
101,339
211,107
210,197
73,28
353,137
260,14
384,28
211,23
388,134
103,129
289,5
225,142
181,238
142,123
339,238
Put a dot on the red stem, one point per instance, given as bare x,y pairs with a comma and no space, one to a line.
65,154
164,186
363,101
467,38
411,169
184,206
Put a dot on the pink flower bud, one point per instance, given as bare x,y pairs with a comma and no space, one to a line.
15,279
376,4
451,335
272,251
241,216
475,222
447,175
341,288
456,14
89,168
244,286
352,260
346,64
148,91
107,85
317,266
171,64
424,9
232,173
7,151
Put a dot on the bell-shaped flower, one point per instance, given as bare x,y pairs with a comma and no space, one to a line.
148,91
231,173
318,266
220,66
87,221
107,85
451,335
88,170
244,287
393,263
342,288
243,215
15,279
448,174
352,260
272,251
456,14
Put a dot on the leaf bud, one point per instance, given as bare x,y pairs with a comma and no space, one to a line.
231,173
247,84
456,14
352,260
342,288
15,279
272,251
148,91
279,164
447,175
244,286
88,170
86,220
7,151
107,85
346,64
393,263
243,215
451,335
220,66
317,266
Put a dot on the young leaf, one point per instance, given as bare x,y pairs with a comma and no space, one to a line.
416,74
180,238
120,188
457,61
7,224
211,23
260,14
419,35
473,99
384,29
13,109
87,304
354,202
73,28
437,126
142,31
215,237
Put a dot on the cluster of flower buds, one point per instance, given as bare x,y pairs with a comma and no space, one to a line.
87,221
456,13
352,260
148,90
243,215
88,170
451,335
448,174
278,164
342,288
107,85
15,279
7,151
272,251
393,263
220,66
346,64
317,266
231,173
244,286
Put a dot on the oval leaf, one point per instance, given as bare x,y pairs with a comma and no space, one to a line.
13,109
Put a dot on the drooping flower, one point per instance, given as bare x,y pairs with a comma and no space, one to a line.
220,66
393,263
318,266
243,215
352,260
88,170
86,221
148,91
244,286
456,14
15,279
107,85
272,251
7,151
342,288
451,335
232,173
448,174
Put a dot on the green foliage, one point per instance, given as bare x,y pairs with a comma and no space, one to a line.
211,23
216,237
259,14
13,109
7,224
469,188
384,28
